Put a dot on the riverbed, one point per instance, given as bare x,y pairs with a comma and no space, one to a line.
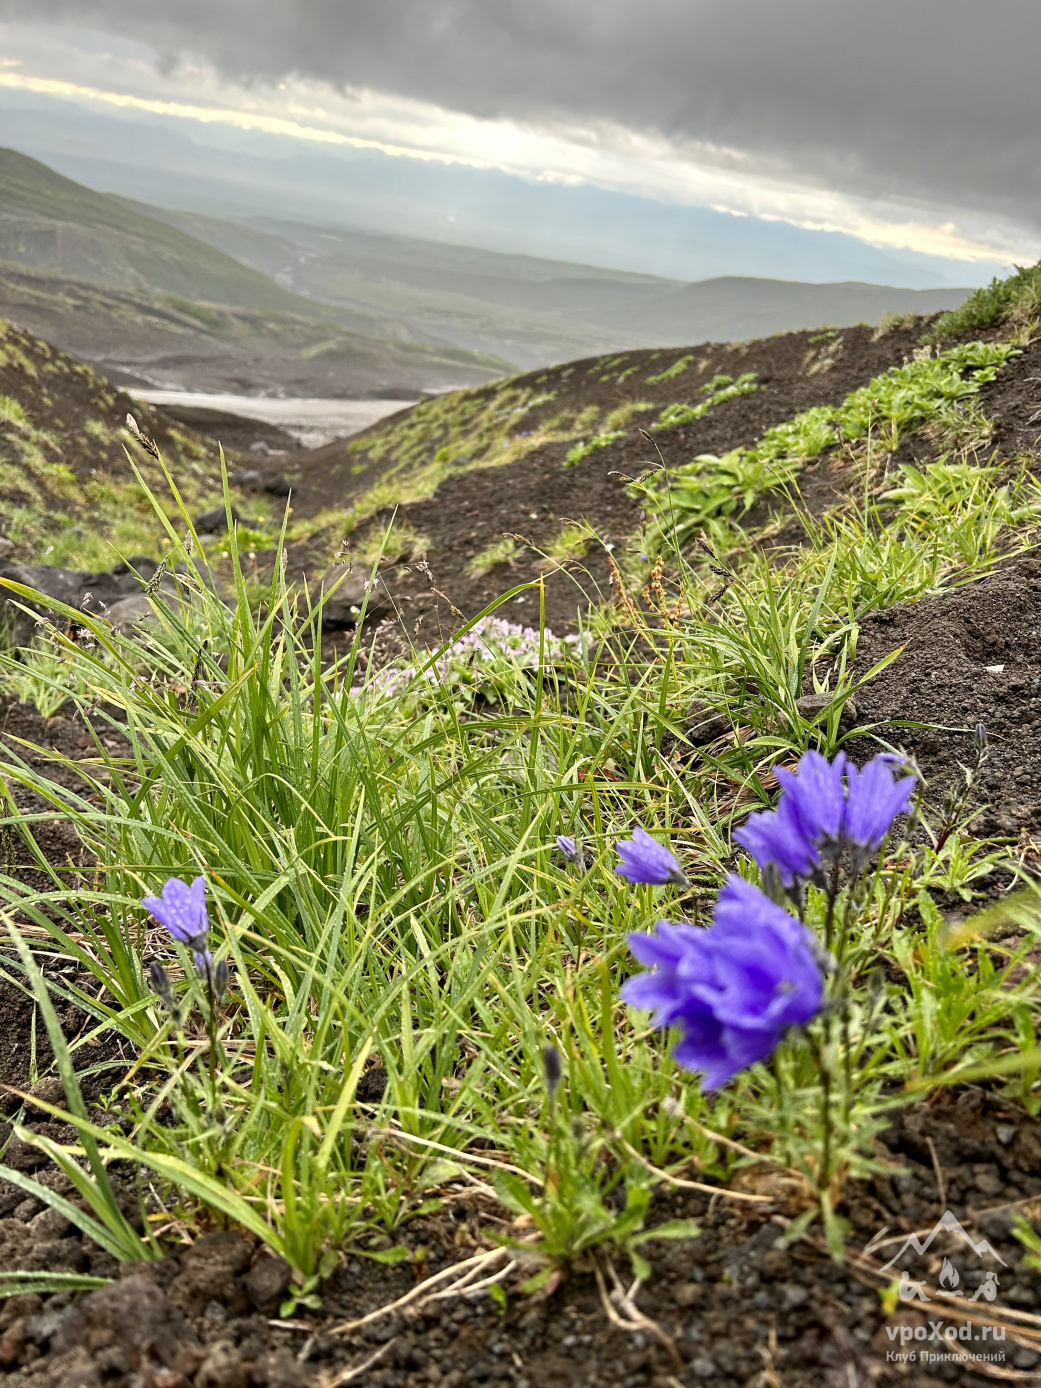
312,421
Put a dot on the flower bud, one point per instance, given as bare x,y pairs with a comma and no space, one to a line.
552,1069
571,851
160,982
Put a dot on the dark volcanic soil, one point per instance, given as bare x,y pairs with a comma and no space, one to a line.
66,736
738,1305
530,498
970,656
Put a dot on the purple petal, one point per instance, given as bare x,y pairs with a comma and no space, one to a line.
732,989
875,800
181,909
775,836
815,795
646,861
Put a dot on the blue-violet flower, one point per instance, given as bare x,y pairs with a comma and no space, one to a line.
182,910
826,807
732,989
571,851
645,860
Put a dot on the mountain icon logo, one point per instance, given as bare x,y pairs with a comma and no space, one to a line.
947,1223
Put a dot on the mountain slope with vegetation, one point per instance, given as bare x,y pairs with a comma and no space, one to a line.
650,1003
48,222
174,343
68,491
539,455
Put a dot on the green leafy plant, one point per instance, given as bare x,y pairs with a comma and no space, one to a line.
501,551
670,373
583,450
719,390
1015,295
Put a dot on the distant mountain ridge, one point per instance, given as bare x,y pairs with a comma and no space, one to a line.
47,222
150,304
485,310
520,306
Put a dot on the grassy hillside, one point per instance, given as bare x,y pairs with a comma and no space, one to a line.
636,999
540,474
68,494
51,223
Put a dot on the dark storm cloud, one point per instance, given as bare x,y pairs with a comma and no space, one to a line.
935,100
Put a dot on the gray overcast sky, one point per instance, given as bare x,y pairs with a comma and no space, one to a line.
912,110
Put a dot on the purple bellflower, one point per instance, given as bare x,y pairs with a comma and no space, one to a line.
645,860
732,989
571,851
182,910
874,800
778,837
826,807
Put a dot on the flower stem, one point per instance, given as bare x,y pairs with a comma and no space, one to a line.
824,1177
782,1113
211,1031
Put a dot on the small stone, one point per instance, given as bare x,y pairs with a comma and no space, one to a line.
49,1224
996,1224
19,1308
345,593
988,1181
793,1295
24,1157
12,1341
129,613
810,705
6,547
776,1264
51,1091
704,724
1005,1133
222,1368
215,522
267,1283
689,1294
703,1366
140,564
